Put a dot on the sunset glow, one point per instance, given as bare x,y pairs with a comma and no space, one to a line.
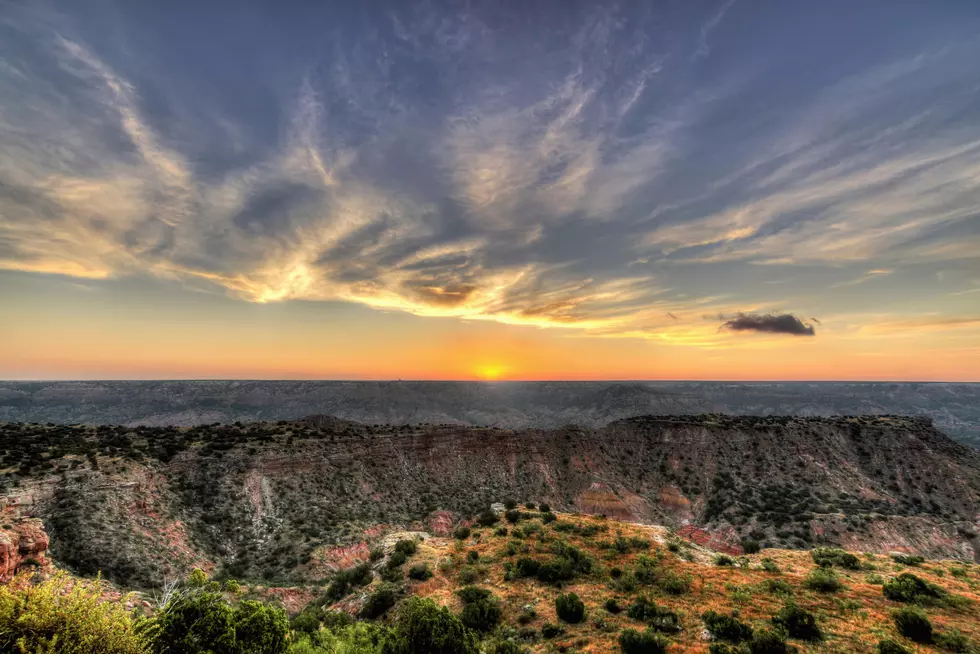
597,191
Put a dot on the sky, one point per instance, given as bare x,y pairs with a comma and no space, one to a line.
736,190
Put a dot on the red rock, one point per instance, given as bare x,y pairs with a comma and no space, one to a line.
25,539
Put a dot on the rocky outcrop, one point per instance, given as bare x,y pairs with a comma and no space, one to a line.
23,543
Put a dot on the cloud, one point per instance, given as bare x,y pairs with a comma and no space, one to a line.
784,323
472,164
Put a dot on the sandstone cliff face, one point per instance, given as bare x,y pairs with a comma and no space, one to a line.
287,501
23,543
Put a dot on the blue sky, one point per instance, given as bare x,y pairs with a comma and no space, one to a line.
635,170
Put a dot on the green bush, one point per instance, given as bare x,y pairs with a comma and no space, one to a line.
551,631
423,626
396,559
724,560
513,516
907,559
379,602
420,572
461,533
357,638
510,504
769,641
798,623
488,518
911,589
913,624
612,606
203,620
726,627
406,546
68,617
632,641
544,508
570,608
952,640
828,557
481,616
346,580
770,566
823,580
657,617
750,546
481,610
889,646
548,517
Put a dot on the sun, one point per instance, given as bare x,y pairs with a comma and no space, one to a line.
490,371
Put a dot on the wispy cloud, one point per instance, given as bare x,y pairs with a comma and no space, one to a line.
468,164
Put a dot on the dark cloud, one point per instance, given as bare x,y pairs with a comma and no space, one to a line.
784,323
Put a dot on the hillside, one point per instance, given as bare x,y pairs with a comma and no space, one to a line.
290,502
532,580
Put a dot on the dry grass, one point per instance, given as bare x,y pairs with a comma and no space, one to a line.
853,619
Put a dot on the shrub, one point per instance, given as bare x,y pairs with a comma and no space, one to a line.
555,571
548,517
551,630
392,575
570,608
828,557
910,589
507,647
777,587
612,606
376,554
470,594
823,580
204,618
422,626
197,578
529,506
481,616
346,580
750,546
473,556
527,615
672,583
544,508
396,559
889,646
306,622
526,567
724,560
468,575
379,602
798,623
461,533
420,572
952,640
500,531
726,627
657,617
513,516
488,518
769,641
632,641
407,546
510,504
913,624
907,559
770,566
70,618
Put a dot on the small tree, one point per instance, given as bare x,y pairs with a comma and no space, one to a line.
422,626
570,608
913,624
798,623
889,646
632,641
